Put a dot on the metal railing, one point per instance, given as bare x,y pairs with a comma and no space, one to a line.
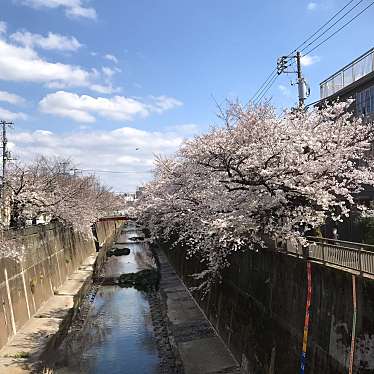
349,74
349,255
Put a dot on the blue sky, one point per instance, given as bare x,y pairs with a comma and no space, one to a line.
110,83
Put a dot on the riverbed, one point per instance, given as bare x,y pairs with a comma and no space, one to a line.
118,336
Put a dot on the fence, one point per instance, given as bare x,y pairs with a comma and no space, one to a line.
352,72
350,255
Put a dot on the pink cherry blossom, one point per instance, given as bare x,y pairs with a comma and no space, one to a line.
258,176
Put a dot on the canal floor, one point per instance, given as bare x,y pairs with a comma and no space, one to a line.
117,336
123,330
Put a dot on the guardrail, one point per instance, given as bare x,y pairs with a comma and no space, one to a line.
349,255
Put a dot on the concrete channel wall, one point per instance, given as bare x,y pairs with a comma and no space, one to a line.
52,253
259,310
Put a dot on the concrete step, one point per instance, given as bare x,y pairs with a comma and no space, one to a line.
56,307
72,286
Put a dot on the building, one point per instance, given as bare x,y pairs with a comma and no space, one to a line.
356,81
139,191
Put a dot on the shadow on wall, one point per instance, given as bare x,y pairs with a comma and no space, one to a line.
52,252
259,310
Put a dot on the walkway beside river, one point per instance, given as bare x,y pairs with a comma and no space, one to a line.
199,347
22,354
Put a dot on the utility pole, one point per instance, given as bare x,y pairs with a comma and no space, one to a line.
300,81
5,158
283,63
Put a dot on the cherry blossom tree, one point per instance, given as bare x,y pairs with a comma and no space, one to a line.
30,188
259,176
49,186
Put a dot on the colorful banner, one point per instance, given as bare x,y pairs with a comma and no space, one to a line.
307,314
354,300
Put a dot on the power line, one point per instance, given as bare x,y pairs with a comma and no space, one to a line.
114,171
335,32
266,89
270,80
321,27
329,28
325,24
263,84
313,103
342,27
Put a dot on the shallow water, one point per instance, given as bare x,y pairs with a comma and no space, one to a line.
132,263
118,336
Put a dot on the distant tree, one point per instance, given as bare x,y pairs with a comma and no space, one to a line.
48,186
260,175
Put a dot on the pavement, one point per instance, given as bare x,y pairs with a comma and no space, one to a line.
198,345
23,351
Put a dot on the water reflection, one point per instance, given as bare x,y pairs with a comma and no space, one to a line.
118,335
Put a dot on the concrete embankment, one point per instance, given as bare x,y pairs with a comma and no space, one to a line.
40,295
270,303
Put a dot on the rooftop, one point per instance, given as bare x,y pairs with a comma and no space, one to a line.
349,74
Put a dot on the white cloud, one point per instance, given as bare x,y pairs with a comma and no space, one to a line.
312,6
309,60
119,108
109,72
3,27
73,8
11,98
105,89
7,115
284,90
23,64
111,58
163,103
50,42
122,149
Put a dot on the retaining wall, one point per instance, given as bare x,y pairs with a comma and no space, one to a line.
52,253
259,310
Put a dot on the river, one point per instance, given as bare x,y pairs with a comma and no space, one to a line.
117,336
